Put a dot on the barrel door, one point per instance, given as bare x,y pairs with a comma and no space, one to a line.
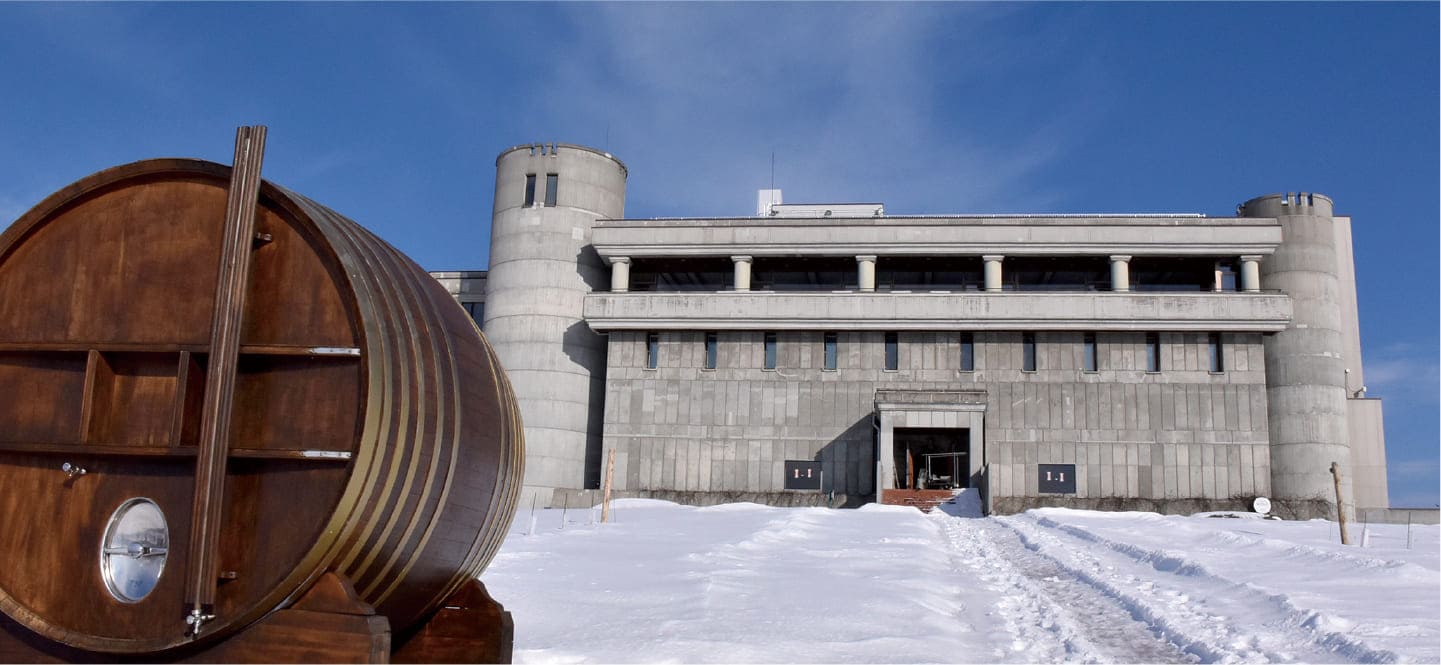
371,432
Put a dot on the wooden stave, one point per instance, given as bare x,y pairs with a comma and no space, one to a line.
419,591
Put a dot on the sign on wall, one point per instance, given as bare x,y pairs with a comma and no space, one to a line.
803,475
1056,478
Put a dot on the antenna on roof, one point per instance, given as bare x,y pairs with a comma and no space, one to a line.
773,169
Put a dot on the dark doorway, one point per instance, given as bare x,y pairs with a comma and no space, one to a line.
932,458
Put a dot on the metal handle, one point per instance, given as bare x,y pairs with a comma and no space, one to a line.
72,471
137,550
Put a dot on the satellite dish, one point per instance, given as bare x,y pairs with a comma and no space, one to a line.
1261,505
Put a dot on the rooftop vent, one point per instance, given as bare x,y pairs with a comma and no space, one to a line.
766,201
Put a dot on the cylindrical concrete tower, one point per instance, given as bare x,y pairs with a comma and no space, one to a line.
1305,373
547,197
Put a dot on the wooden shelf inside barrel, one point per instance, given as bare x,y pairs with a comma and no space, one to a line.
148,397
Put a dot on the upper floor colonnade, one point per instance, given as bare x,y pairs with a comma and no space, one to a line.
867,273
961,253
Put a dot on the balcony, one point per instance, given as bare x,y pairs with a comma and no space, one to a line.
966,310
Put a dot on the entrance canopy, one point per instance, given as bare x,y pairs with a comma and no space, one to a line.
931,410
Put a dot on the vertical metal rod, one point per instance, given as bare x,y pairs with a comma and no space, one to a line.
230,288
605,496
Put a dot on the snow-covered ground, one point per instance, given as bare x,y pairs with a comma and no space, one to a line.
750,583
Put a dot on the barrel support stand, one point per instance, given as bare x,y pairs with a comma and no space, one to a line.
329,624
470,627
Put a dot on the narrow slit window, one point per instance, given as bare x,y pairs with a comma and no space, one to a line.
476,310
893,351
1089,357
1218,354
830,350
552,181
710,350
1153,352
1028,352
968,352
652,350
770,344
529,189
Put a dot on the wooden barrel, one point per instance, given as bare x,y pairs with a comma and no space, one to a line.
373,432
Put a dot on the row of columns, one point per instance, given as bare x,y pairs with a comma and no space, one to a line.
866,272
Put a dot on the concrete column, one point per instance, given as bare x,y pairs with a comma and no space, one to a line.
993,271
1251,273
866,265
1120,273
743,272
620,274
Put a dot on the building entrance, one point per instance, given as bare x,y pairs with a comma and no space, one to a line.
932,458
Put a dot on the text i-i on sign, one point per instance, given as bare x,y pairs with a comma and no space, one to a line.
1056,478
803,475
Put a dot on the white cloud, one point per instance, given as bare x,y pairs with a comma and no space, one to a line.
1406,377
848,97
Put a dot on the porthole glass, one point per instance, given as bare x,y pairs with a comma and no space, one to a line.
134,550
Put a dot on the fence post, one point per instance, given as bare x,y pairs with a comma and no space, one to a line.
1340,509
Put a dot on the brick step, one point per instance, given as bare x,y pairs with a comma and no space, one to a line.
923,500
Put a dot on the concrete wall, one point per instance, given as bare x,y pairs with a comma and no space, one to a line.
463,285
1012,235
1078,310
1181,434
1394,516
1368,453
1364,425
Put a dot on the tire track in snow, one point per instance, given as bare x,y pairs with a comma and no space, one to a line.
1202,626
1052,614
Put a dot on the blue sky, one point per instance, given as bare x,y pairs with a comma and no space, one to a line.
393,114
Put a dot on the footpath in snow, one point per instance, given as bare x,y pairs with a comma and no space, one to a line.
750,583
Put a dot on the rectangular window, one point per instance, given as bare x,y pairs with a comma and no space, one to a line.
652,350
968,352
551,181
529,189
476,310
893,351
770,343
1153,352
830,346
1218,354
1225,276
710,350
1089,357
1028,352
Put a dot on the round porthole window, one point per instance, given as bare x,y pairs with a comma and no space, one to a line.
134,550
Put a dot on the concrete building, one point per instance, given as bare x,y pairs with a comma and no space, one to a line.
834,354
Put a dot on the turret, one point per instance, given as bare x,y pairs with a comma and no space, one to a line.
547,197
1305,370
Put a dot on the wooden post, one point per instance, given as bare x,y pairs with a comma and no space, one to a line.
605,497
214,444
1340,509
